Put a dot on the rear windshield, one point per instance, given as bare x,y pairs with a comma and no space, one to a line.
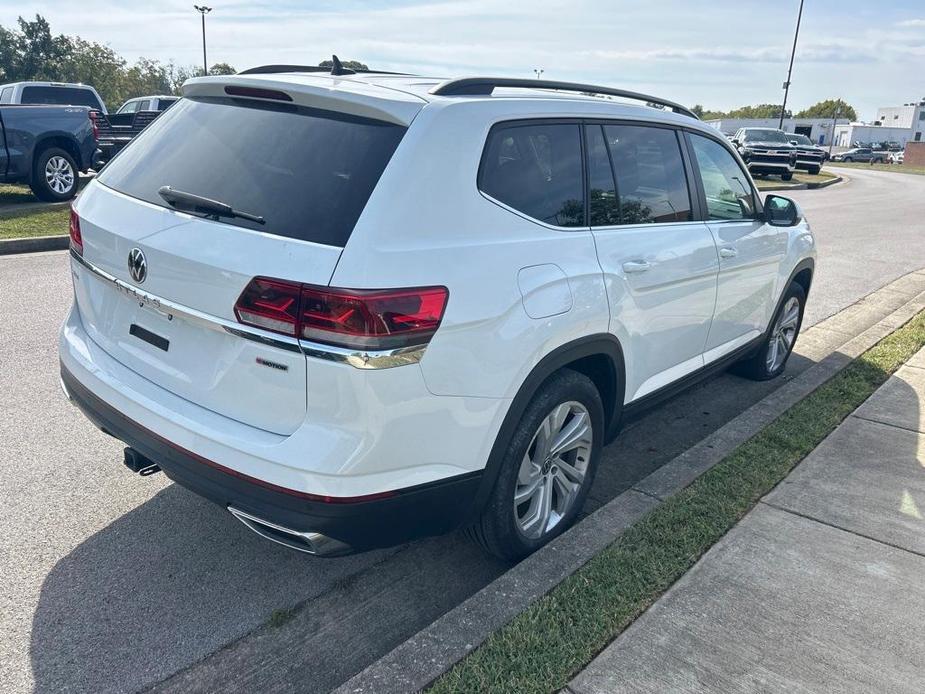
65,96
308,172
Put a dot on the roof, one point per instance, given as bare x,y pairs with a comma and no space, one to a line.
398,97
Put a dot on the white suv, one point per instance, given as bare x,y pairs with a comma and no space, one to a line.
355,309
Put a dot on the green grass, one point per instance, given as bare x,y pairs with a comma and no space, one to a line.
895,168
30,223
798,179
541,649
12,193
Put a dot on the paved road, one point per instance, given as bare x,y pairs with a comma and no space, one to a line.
114,582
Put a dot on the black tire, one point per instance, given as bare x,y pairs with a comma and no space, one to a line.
757,366
44,185
497,529
814,171
786,177
848,159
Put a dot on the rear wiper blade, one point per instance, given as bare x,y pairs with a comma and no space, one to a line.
211,208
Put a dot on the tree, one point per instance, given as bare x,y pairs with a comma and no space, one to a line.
697,110
349,64
31,52
758,111
828,109
222,69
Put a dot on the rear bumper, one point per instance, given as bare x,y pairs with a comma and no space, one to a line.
378,520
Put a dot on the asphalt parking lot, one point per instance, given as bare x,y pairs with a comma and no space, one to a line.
115,582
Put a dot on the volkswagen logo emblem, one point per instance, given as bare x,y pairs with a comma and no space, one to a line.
137,265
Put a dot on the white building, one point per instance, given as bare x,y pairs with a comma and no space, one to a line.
819,130
911,116
847,135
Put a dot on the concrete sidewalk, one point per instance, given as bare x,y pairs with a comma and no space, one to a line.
818,589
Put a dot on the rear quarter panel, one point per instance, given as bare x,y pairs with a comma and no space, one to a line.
428,224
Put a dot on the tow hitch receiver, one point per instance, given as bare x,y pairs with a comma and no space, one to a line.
136,462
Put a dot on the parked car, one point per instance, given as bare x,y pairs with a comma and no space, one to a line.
864,154
767,151
60,93
897,157
440,321
46,147
809,157
145,103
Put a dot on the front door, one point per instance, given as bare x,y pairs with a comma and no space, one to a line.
660,266
750,251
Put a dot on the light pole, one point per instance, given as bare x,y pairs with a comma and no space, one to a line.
834,123
203,10
539,72
796,34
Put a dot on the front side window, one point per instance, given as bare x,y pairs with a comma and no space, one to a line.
727,189
649,170
536,169
6,95
129,107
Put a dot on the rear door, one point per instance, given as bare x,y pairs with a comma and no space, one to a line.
308,173
659,264
750,251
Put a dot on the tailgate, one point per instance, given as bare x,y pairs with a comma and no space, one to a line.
173,328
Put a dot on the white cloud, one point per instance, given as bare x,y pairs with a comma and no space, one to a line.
720,54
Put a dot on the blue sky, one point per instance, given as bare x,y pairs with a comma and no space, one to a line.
720,54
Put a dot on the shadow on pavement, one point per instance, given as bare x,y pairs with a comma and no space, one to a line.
177,578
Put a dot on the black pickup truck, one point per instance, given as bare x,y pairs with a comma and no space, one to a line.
47,147
117,130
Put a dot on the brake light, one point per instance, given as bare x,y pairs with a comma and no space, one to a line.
95,124
77,242
270,304
364,319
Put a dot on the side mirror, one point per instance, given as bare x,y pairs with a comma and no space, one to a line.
780,211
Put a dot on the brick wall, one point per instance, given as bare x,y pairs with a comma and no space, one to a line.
915,154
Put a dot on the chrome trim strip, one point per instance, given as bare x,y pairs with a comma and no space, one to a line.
360,359
308,542
364,359
171,309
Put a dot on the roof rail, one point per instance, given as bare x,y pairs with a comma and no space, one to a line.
274,69
484,86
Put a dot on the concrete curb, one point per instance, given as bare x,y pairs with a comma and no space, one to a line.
417,662
34,245
803,186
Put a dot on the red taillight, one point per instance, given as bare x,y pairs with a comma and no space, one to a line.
353,318
77,242
271,305
96,126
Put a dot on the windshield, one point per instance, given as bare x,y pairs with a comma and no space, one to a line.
308,172
765,135
801,139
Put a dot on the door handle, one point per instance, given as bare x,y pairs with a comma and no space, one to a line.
636,266
728,252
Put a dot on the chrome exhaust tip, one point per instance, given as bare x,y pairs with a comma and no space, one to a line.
302,541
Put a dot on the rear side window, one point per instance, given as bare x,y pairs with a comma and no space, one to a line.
309,173
651,182
6,95
64,96
536,170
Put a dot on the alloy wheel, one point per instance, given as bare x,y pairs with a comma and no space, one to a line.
553,470
783,334
59,175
